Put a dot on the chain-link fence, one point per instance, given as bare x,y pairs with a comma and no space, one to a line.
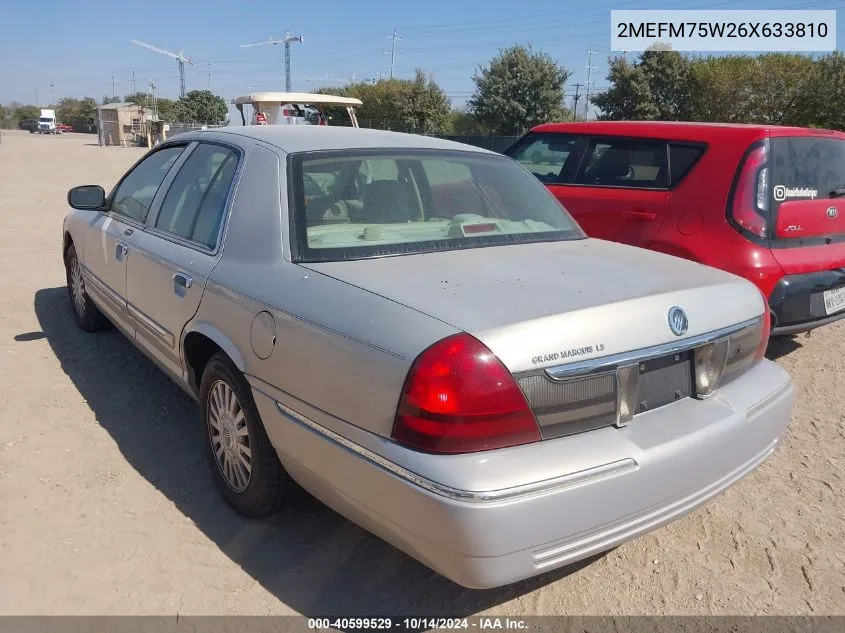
179,128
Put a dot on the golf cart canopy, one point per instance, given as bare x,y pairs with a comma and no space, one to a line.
278,108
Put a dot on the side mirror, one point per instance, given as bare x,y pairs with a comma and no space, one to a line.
86,197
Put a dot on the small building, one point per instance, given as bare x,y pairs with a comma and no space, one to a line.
122,124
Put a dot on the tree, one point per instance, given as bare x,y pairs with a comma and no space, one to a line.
818,102
629,98
81,114
404,105
23,112
462,123
520,88
139,98
107,99
200,106
424,106
658,87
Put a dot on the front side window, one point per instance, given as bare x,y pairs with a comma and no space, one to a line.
194,206
135,193
350,204
626,163
544,155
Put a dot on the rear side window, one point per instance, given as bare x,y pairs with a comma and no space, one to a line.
633,164
806,168
194,206
682,158
544,155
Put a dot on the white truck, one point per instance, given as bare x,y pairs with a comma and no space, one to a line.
47,122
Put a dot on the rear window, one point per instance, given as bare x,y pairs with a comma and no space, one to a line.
616,162
806,168
350,204
682,158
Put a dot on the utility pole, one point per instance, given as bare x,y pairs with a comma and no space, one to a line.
575,104
209,76
154,102
392,50
113,84
589,83
134,89
52,97
36,96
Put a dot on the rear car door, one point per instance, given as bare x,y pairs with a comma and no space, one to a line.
621,189
111,236
173,258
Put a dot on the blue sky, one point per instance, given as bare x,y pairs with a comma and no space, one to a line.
81,47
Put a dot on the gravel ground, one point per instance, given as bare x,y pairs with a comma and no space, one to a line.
106,506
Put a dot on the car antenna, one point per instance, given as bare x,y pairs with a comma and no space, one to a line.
794,96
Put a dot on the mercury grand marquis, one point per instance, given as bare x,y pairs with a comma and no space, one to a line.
416,332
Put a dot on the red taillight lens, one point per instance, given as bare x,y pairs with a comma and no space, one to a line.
460,398
750,204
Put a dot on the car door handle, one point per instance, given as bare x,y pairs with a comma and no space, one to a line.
128,232
639,215
183,280
121,250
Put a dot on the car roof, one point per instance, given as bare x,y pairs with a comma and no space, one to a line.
301,138
680,130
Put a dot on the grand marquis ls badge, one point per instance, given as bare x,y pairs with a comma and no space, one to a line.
678,322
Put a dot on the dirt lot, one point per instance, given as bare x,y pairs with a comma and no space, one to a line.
106,505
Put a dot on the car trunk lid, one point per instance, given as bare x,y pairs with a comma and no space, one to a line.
548,304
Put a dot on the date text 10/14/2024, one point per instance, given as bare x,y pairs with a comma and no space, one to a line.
416,623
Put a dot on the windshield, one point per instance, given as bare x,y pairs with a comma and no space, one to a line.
45,119
350,205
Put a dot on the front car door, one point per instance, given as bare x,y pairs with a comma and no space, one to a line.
109,238
172,259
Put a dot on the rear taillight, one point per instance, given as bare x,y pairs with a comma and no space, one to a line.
750,202
460,398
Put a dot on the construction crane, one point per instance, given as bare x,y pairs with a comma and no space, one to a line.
286,40
179,57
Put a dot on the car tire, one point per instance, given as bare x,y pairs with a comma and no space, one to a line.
86,314
243,462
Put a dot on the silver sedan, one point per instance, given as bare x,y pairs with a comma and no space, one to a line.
416,332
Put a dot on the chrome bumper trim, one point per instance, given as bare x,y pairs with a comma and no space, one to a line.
608,363
568,480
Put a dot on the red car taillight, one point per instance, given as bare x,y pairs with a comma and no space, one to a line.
460,398
750,202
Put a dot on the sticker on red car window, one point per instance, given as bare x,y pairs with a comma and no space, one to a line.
781,193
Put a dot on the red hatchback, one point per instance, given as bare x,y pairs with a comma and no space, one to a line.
763,202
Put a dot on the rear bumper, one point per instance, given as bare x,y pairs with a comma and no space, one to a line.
797,302
612,484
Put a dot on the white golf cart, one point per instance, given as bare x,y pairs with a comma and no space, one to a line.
294,108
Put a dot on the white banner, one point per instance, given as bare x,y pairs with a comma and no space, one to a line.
724,31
